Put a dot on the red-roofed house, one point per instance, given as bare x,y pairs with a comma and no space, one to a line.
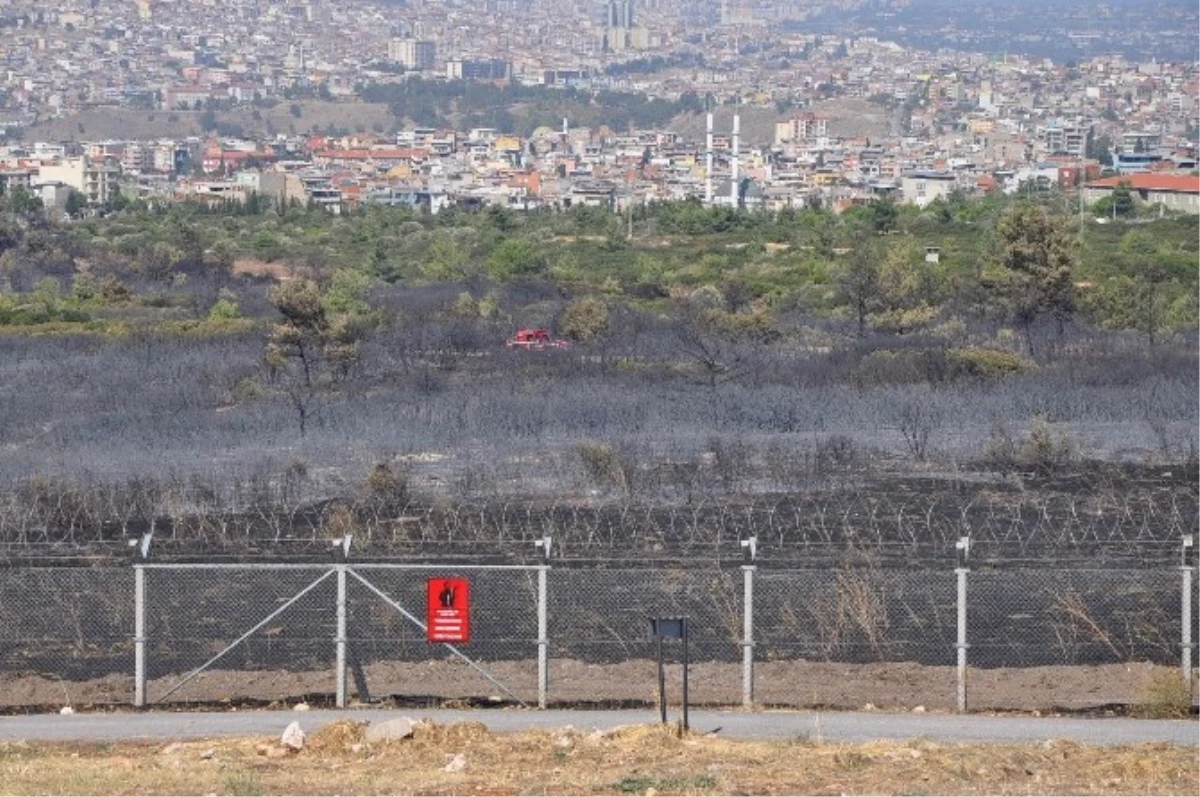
1179,192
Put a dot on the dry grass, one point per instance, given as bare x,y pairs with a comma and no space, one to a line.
99,123
632,760
1167,695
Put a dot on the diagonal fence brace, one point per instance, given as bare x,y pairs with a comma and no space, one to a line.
417,622
243,637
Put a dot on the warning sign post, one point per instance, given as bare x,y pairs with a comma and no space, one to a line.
448,610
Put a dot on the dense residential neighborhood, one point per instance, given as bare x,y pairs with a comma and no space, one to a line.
837,121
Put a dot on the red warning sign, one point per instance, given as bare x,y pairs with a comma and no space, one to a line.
448,610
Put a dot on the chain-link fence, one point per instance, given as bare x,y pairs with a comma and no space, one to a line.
66,635
844,637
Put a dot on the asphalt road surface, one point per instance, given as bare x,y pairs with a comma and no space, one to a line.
829,727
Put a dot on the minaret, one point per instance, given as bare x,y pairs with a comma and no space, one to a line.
733,178
708,155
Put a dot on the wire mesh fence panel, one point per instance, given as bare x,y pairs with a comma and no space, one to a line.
193,615
395,657
600,635
849,637
1070,639
1030,618
66,636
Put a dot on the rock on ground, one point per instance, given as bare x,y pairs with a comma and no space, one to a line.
391,730
293,737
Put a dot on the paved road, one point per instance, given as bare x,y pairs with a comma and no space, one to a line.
833,727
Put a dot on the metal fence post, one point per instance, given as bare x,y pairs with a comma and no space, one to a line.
749,554
342,553
962,547
341,635
141,553
139,636
1186,643
543,640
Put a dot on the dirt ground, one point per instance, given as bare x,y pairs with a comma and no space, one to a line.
465,758
898,686
100,123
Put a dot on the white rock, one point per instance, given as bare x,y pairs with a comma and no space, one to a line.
300,707
66,710
293,737
457,764
869,707
919,710
173,747
391,730
207,754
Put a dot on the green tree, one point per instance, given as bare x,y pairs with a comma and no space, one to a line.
23,203
1143,260
1122,199
585,319
76,203
1031,274
515,257
883,214
902,305
1118,204
859,285
225,308
310,348
348,292
1100,148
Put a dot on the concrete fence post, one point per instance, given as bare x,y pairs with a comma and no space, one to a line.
749,548
139,636
341,636
545,545
141,551
748,635
1185,642
962,550
543,642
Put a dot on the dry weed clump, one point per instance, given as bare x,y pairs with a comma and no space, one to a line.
336,738
1167,695
452,735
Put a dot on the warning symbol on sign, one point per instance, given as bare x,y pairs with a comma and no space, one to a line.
448,610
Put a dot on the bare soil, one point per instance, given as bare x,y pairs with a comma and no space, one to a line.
465,758
128,123
886,686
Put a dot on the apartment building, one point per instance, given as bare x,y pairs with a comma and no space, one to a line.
98,181
417,54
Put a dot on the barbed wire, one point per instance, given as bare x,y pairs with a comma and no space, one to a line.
1010,525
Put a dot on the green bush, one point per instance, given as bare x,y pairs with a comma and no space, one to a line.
986,363
585,319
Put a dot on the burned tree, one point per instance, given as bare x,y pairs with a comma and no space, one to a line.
311,348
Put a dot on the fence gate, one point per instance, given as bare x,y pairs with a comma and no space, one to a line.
217,632
384,639
221,632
